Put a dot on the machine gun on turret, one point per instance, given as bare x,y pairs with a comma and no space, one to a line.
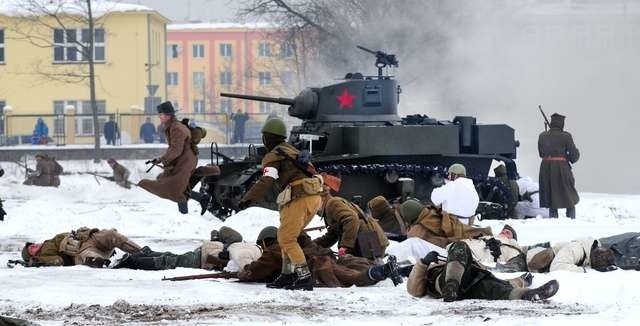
382,59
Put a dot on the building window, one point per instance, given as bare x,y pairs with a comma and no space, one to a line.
225,78
264,49
84,118
58,120
173,51
198,106
265,107
172,78
225,105
198,79
286,77
198,50
70,45
287,49
225,50
265,78
1,50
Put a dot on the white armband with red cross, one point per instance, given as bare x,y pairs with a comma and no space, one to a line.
270,172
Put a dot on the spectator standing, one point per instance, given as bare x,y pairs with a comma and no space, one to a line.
110,131
148,131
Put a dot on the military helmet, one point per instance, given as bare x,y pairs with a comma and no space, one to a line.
268,232
410,210
600,258
457,169
228,235
500,170
276,127
25,251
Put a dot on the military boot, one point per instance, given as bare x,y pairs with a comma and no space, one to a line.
553,212
183,208
286,277
203,199
303,279
571,213
543,292
450,290
388,270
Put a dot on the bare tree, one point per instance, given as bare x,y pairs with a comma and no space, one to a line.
39,21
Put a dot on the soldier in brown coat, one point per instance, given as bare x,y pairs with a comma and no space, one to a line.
355,233
120,174
298,202
92,247
436,226
326,270
557,185
179,163
388,217
46,173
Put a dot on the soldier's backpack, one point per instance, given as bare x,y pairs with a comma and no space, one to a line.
57,168
72,243
197,133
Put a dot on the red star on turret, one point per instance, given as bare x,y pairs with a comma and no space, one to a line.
346,99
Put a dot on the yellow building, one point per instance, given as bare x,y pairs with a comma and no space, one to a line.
43,69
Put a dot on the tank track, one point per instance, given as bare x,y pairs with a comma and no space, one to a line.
495,196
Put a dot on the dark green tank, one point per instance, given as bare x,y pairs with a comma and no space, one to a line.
352,129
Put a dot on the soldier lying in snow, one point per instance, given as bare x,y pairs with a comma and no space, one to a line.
461,277
572,256
326,270
225,251
91,247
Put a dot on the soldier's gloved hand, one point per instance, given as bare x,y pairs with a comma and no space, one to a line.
224,255
431,257
527,196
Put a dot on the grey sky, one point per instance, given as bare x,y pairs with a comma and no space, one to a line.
193,10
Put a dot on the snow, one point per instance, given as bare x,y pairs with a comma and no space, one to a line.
73,7
81,295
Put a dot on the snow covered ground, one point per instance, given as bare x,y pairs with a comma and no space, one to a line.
59,295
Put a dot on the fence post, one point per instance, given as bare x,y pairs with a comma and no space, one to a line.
8,112
136,117
70,124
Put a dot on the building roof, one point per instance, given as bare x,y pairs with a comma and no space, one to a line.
218,25
99,8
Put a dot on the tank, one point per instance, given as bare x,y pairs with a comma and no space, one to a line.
352,129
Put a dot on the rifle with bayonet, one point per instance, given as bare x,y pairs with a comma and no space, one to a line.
225,275
110,178
546,121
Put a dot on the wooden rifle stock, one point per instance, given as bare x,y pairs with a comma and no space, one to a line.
225,275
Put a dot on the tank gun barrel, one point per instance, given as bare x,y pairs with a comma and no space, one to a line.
279,100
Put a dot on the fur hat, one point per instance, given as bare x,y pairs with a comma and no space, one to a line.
166,108
601,259
379,207
557,121
513,232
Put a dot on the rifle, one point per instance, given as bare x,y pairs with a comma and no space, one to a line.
546,121
13,263
24,165
315,228
112,179
153,164
225,275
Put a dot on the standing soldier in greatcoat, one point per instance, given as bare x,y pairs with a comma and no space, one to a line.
298,202
557,185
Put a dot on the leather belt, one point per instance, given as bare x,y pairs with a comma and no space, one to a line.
555,158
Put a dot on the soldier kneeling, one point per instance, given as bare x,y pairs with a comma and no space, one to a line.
461,277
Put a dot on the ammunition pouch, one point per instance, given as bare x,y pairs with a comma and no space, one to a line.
70,246
299,188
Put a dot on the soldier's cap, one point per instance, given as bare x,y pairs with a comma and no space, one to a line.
557,116
557,121
601,259
111,161
41,155
25,251
513,232
379,206
334,183
166,108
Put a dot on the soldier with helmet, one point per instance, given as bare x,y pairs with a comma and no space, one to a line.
558,152
458,196
298,202
46,174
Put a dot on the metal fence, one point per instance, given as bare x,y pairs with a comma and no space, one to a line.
67,129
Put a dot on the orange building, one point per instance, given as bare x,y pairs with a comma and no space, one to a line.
204,59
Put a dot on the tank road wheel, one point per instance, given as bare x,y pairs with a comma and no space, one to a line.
495,199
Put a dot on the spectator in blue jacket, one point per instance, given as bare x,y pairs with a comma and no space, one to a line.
147,131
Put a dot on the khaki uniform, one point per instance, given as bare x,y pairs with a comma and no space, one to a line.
441,228
121,176
63,250
179,163
387,216
46,174
557,185
299,211
346,224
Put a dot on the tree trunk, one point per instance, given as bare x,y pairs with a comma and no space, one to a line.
92,87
